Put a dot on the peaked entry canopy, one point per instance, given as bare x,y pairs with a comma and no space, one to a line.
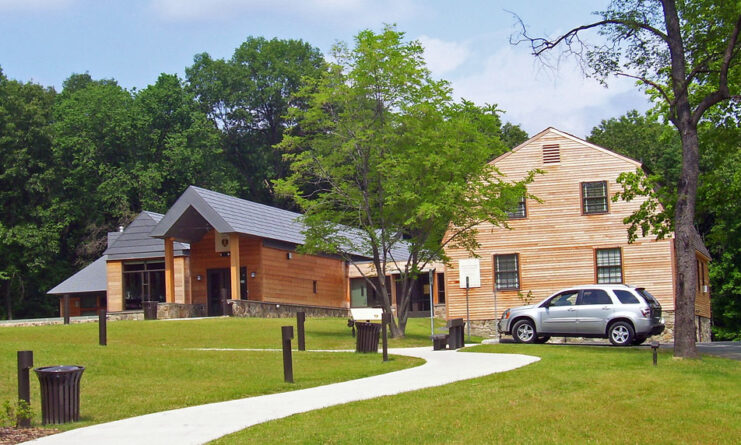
199,210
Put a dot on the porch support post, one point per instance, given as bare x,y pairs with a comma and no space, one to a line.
169,271
234,269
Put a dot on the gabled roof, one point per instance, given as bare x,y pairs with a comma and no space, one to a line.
135,241
199,210
91,278
571,137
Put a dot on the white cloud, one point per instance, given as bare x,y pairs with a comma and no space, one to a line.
34,5
442,56
536,97
338,11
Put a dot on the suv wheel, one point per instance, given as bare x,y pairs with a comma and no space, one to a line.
621,333
524,331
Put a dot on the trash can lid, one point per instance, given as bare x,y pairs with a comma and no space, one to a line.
59,369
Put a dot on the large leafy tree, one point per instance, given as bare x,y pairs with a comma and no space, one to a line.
657,146
387,166
247,98
176,146
28,225
684,54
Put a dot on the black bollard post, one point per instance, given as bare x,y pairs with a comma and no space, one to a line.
300,320
287,332
655,346
385,320
66,309
102,328
25,362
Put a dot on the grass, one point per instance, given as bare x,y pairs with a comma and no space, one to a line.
155,366
572,395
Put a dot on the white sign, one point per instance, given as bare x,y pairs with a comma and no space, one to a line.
366,313
221,242
469,268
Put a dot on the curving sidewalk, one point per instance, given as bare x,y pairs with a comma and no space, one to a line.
200,424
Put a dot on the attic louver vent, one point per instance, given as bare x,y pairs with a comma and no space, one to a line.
551,154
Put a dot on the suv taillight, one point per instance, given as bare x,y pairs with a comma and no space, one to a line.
646,311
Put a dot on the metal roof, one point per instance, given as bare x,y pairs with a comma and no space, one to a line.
91,278
135,242
199,210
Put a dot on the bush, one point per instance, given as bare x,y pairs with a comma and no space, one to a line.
13,415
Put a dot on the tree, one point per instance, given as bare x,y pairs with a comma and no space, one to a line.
683,54
387,166
28,227
247,98
513,135
176,146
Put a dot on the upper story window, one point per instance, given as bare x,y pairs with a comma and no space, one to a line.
551,154
594,197
520,211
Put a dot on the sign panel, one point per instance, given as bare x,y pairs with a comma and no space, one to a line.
469,268
221,242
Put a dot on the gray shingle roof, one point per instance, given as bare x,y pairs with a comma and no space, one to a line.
134,242
227,214
91,278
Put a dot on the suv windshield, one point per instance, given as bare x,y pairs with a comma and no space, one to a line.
648,297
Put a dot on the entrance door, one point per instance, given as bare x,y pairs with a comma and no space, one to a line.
219,288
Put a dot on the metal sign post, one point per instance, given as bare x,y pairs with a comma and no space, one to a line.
468,313
432,304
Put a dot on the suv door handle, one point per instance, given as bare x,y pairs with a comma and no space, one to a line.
571,309
606,308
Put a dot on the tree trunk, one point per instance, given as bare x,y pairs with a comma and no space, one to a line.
8,299
684,212
684,215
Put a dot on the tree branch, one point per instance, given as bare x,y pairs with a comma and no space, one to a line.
722,92
540,45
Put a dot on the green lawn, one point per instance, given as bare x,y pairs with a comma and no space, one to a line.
155,365
573,395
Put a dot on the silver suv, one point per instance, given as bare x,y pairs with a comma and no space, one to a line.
624,314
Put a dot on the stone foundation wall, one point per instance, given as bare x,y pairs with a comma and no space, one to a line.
260,309
167,311
125,315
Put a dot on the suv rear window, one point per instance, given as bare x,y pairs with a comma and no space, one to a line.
648,297
626,297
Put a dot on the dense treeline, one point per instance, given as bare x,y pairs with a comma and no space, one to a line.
78,163
656,145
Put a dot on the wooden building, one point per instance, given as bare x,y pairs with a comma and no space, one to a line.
210,248
576,235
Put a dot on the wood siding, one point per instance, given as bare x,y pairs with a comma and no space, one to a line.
182,280
114,272
556,243
203,256
292,280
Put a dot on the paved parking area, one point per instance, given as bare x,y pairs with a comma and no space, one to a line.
726,349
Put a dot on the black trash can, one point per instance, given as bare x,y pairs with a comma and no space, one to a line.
60,393
150,309
367,339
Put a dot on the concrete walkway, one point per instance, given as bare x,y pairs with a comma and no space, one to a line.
200,424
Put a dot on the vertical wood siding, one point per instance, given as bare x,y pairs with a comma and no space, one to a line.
114,272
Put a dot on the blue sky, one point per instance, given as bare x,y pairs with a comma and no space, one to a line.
466,42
